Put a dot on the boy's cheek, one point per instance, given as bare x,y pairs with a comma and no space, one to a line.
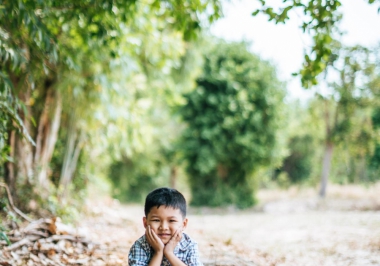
177,228
153,228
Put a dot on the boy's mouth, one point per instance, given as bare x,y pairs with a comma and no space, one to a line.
164,235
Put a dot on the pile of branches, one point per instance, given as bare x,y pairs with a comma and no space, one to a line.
49,242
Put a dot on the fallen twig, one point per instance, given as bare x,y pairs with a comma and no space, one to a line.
50,242
12,205
18,244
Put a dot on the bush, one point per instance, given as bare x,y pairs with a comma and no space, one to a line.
232,118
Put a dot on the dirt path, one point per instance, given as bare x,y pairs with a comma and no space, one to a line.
308,238
278,233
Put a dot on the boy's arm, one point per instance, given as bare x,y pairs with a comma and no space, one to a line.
138,256
156,259
169,249
157,246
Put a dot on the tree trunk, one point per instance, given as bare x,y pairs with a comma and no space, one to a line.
362,171
9,175
326,168
73,148
23,149
173,177
47,136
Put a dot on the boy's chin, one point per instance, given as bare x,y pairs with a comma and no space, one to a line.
165,240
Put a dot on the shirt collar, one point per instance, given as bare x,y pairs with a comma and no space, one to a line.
185,242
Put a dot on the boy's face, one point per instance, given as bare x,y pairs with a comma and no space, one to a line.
164,221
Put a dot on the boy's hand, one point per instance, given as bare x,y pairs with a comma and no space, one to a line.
154,240
174,240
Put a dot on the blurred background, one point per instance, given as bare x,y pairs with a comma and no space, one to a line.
265,115
219,99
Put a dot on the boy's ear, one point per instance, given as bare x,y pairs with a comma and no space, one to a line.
185,223
145,222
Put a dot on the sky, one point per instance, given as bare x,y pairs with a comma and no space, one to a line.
284,45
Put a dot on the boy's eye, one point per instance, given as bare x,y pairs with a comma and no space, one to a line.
155,220
173,221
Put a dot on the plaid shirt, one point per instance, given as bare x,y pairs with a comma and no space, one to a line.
186,250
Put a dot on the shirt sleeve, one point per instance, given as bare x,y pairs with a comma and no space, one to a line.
138,256
193,256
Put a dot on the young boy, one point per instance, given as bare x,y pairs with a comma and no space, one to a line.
164,242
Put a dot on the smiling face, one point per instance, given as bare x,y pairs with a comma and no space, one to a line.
164,221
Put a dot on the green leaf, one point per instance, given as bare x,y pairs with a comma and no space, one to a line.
3,236
256,12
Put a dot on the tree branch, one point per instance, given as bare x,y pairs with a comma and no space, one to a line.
12,205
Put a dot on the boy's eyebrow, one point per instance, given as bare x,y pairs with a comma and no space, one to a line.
154,216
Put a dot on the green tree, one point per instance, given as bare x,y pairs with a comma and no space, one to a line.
344,107
321,20
232,122
374,159
150,157
133,128
46,47
302,134
299,163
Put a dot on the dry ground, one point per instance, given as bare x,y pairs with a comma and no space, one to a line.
289,227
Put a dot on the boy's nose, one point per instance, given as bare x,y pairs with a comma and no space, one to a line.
163,226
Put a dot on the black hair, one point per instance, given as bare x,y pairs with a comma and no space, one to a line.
168,197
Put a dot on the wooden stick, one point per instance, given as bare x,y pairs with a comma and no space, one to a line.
38,233
12,205
22,242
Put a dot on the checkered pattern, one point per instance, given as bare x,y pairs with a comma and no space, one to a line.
186,250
